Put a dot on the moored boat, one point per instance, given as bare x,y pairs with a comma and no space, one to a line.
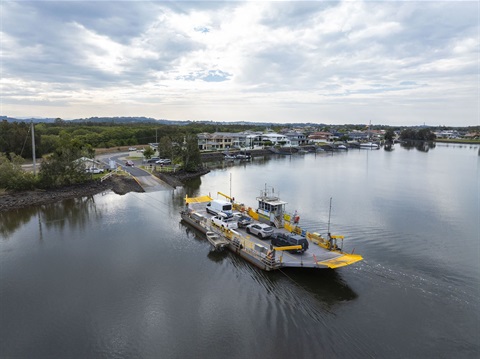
243,156
370,145
216,240
229,157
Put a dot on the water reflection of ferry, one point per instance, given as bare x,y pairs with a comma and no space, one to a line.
322,252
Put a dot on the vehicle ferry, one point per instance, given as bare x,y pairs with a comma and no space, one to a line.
315,251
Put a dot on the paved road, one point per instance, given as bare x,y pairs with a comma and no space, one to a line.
149,183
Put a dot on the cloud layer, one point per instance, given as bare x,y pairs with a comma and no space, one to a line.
398,63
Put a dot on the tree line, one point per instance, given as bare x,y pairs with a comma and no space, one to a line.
16,137
423,134
62,145
61,168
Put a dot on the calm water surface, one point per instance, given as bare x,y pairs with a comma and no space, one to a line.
120,277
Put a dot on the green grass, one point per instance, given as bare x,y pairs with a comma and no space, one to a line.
458,140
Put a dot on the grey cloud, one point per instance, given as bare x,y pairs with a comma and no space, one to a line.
292,14
425,33
49,40
119,20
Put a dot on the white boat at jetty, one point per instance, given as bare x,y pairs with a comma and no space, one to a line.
228,157
321,253
371,145
243,156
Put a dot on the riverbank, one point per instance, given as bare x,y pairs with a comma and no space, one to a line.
178,178
118,184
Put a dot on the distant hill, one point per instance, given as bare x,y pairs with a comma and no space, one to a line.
125,120
32,119
119,120
141,119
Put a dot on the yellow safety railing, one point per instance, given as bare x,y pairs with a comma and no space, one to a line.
252,213
287,248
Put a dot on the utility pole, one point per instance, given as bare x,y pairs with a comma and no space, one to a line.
33,150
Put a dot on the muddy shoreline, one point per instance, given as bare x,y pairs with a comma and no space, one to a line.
179,178
16,200
118,184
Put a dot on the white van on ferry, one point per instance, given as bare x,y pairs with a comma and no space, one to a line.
218,206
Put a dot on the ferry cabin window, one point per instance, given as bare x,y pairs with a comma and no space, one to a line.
266,206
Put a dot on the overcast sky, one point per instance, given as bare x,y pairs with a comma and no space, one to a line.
395,63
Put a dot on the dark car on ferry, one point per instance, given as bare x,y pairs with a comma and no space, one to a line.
242,219
289,239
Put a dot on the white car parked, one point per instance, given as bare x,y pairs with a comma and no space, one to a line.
225,221
261,230
94,170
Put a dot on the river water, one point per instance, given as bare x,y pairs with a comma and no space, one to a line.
114,276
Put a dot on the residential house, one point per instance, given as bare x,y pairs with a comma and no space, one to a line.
296,138
220,141
447,134
320,137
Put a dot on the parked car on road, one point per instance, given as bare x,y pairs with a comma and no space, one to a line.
94,170
163,161
153,160
261,230
289,239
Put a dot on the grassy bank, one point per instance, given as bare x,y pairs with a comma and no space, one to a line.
458,140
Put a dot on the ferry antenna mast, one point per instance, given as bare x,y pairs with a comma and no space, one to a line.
329,214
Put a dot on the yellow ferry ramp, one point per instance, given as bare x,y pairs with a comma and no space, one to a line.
341,261
200,199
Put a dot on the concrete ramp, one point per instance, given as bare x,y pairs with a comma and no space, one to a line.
151,183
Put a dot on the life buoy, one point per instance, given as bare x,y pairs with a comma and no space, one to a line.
296,219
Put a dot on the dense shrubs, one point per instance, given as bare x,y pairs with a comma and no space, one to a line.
12,176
